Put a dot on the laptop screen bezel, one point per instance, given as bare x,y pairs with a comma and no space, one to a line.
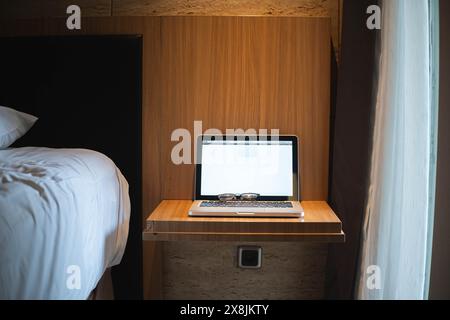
295,170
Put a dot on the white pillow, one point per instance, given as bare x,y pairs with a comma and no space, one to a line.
13,125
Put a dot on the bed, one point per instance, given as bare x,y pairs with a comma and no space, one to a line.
70,189
64,219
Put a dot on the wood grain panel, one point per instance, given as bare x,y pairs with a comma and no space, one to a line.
208,270
171,216
237,72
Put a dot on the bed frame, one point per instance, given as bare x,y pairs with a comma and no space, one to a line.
86,91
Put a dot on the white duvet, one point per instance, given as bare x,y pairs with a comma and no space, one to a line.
64,217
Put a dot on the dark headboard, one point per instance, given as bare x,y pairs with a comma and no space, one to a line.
86,91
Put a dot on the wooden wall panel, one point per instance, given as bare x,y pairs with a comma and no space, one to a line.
236,72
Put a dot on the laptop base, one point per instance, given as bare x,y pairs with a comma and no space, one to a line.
246,212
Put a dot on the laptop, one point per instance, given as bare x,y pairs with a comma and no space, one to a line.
264,167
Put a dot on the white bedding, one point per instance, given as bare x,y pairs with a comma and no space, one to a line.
61,211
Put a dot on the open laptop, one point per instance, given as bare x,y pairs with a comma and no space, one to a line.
262,165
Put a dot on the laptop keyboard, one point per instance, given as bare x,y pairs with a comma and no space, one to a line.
246,204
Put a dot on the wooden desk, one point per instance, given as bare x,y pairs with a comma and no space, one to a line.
170,222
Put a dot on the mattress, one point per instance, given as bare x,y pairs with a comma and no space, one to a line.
64,216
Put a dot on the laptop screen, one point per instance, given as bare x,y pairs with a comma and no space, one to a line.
242,166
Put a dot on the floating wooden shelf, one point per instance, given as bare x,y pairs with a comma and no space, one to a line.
170,222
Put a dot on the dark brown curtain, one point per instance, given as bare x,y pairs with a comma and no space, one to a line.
351,144
440,262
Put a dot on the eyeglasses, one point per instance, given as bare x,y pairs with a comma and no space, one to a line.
243,196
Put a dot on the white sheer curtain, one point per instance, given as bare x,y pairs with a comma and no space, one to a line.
397,221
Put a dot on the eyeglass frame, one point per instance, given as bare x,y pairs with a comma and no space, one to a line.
243,196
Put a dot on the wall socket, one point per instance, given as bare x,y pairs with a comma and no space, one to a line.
249,257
